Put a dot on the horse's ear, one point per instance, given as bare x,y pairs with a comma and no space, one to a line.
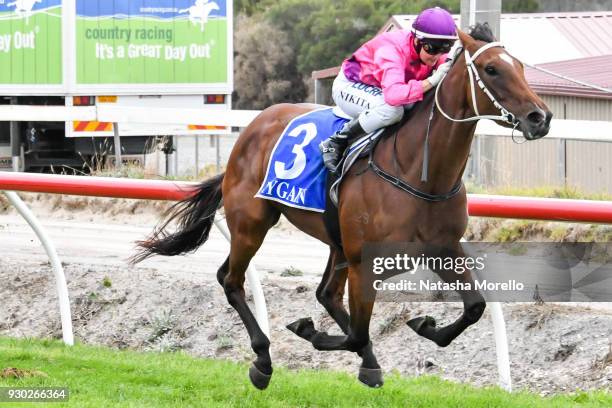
466,39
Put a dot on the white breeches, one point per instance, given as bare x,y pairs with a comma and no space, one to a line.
357,99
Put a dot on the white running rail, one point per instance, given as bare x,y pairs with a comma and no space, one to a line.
58,270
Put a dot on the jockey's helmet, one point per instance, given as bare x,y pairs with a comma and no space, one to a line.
435,30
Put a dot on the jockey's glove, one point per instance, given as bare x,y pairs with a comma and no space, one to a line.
440,73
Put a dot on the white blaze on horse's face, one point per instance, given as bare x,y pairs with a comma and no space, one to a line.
504,76
507,58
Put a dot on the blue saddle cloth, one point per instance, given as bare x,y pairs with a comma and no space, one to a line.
296,174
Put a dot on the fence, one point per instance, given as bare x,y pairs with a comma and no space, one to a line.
105,187
557,160
478,205
575,153
582,130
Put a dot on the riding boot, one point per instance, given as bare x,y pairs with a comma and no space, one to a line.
333,148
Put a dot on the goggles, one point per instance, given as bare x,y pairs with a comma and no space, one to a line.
435,49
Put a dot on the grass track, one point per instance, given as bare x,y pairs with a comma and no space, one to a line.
100,377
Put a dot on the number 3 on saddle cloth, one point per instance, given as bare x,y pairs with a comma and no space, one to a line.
296,175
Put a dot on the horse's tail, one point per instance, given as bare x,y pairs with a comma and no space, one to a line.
194,217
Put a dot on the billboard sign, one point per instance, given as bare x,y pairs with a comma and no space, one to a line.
31,42
153,42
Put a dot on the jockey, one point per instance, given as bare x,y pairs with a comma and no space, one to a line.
387,74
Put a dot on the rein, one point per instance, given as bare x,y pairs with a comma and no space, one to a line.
505,116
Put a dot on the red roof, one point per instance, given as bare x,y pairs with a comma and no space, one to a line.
590,32
592,70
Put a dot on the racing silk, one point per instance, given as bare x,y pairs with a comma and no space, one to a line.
390,62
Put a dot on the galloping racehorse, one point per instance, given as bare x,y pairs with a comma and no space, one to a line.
199,12
371,209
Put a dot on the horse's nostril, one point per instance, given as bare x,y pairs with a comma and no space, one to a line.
549,116
536,117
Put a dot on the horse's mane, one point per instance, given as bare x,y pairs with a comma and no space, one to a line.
482,32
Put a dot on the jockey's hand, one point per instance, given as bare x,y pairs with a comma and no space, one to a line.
437,76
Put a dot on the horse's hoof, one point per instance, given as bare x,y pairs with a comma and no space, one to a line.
372,377
420,324
259,379
303,328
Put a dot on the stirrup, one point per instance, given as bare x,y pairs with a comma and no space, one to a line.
331,157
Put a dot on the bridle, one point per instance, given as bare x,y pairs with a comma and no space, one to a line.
506,116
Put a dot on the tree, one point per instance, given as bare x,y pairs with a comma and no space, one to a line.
520,6
324,32
264,66
296,37
250,7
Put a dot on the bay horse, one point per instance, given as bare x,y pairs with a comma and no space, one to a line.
370,208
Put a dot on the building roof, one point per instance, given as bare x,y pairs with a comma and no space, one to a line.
539,38
592,70
577,45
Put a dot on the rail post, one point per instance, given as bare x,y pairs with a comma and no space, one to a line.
58,270
118,158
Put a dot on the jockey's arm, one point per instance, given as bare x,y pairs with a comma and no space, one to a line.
392,78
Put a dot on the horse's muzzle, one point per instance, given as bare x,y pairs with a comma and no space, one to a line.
536,124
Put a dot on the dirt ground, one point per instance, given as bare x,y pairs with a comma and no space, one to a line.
176,304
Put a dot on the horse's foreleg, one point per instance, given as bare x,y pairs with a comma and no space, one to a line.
473,308
357,339
330,294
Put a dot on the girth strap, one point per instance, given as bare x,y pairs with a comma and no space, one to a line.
402,185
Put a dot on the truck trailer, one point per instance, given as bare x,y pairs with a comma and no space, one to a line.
137,53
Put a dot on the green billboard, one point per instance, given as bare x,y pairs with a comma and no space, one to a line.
152,42
31,42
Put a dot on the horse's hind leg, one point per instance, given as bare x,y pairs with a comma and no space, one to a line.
248,225
330,294
473,307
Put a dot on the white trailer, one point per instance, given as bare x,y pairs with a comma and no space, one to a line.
177,54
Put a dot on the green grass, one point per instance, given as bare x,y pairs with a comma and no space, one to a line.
99,377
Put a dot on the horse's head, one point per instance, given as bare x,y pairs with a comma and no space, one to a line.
502,76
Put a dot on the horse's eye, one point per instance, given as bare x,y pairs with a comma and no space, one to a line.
491,70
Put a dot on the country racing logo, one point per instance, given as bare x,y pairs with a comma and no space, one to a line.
199,12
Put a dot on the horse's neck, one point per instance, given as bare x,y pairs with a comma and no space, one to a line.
449,142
